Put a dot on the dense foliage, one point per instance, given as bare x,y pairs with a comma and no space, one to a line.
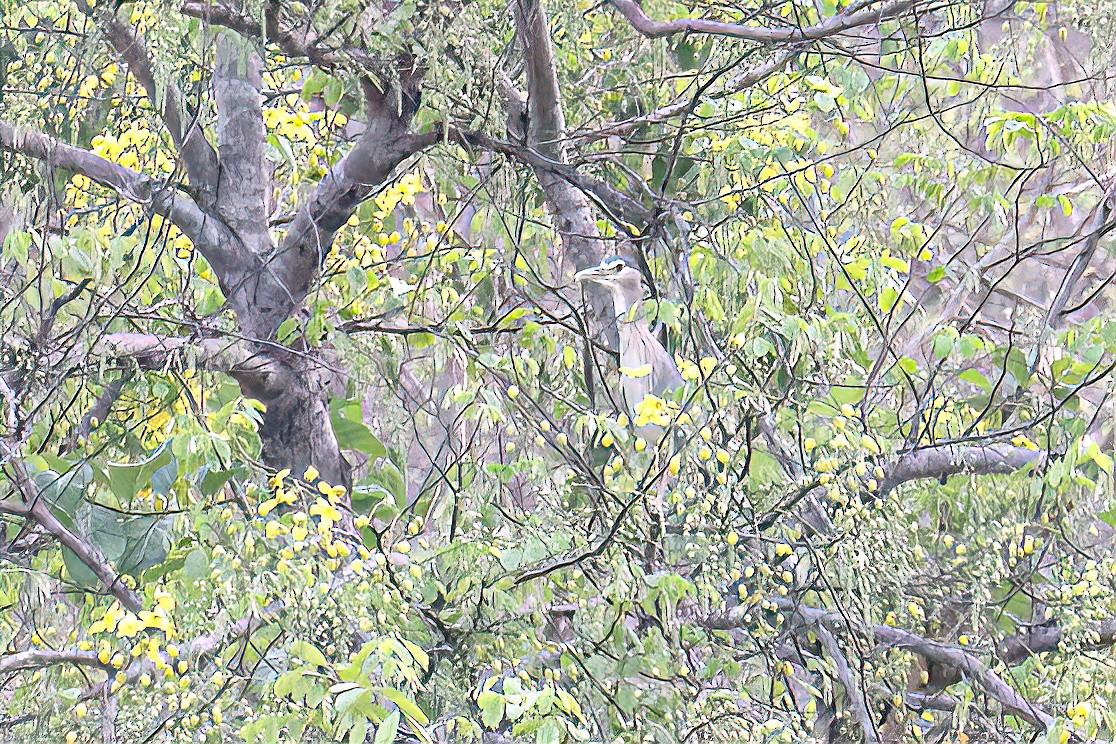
307,434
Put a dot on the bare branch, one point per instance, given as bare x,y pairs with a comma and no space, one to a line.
1098,225
742,81
976,670
865,14
546,131
1039,639
944,460
848,680
151,351
40,658
621,206
296,42
101,407
131,184
378,151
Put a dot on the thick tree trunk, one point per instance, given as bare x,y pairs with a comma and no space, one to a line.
297,431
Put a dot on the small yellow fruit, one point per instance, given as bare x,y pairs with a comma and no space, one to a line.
80,710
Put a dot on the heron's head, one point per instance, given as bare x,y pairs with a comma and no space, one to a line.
620,276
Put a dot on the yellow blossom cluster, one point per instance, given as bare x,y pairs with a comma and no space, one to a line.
654,410
295,120
91,83
298,525
127,624
699,370
132,147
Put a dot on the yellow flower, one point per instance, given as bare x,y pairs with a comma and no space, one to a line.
278,478
310,474
164,599
325,510
641,371
129,626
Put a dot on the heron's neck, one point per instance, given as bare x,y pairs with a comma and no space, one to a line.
627,310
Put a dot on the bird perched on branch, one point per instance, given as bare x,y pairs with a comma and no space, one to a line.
646,367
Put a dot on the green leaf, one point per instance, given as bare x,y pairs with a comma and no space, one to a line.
975,377
548,732
16,245
355,435
125,480
492,708
888,297
385,732
309,653
908,365
409,709
197,564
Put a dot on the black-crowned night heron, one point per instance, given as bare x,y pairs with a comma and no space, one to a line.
646,367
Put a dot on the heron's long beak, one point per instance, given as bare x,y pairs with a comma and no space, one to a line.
592,274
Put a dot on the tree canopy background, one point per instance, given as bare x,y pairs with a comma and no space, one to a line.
307,435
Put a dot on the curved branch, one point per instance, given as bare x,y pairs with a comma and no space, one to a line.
737,83
31,506
976,670
376,154
865,15
206,233
153,352
616,202
1042,638
1098,225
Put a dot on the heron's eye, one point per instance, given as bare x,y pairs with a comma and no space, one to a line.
616,266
